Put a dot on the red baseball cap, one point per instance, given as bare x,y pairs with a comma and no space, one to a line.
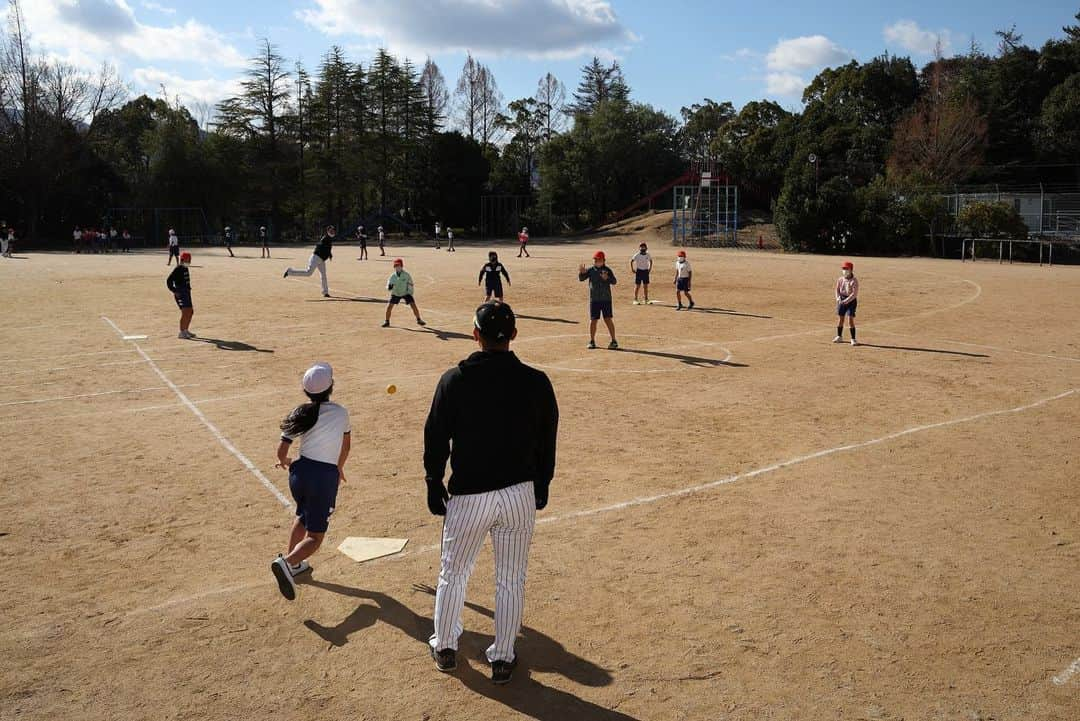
599,255
185,257
399,261
847,265
681,253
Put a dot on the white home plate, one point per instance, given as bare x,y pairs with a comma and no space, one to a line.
134,337
362,549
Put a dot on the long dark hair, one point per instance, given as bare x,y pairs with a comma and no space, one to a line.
304,417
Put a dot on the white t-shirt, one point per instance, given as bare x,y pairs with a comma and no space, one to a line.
173,240
323,441
76,234
642,261
682,268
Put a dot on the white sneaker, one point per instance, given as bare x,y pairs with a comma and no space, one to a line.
285,584
854,342
299,568
837,339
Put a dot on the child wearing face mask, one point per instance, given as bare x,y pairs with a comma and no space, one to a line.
847,299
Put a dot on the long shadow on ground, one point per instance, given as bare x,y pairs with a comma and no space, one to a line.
440,334
545,320
696,361
537,651
924,350
721,311
233,345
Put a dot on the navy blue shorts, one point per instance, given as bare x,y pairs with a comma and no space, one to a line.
174,250
599,308
494,289
183,298
641,276
849,309
314,487
395,299
683,284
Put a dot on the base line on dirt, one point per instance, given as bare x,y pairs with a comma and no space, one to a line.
226,444
1063,678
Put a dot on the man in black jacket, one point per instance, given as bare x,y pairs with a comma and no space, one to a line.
501,468
319,256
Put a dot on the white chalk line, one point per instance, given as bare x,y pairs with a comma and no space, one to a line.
88,395
645,500
171,405
63,355
226,444
1063,678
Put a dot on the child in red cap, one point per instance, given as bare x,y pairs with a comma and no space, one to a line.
847,298
400,286
683,274
600,278
179,282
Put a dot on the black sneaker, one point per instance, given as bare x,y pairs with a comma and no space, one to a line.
386,324
691,305
420,322
284,578
592,345
613,345
445,660
502,671
286,274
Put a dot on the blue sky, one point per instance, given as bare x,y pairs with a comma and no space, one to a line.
673,53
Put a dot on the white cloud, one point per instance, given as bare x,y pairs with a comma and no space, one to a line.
536,28
159,8
109,30
785,84
909,36
149,80
806,53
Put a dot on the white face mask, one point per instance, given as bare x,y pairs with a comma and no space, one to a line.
848,273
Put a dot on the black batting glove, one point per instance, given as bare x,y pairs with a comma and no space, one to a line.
541,497
437,498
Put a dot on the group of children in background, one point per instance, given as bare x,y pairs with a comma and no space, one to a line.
600,278
92,240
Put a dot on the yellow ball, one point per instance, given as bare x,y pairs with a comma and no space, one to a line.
391,388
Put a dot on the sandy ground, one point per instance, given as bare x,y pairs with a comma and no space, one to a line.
747,521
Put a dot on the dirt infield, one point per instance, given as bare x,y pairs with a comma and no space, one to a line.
747,521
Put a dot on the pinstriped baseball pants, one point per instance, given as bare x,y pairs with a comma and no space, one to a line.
509,515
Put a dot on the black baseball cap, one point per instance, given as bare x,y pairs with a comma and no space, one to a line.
495,321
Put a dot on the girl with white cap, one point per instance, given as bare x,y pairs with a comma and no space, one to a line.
324,432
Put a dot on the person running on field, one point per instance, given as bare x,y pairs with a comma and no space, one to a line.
641,264
400,285
322,253
600,278
499,479
683,275
325,439
523,242
847,300
489,276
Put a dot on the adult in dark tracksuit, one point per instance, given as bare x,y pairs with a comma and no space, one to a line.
499,478
319,256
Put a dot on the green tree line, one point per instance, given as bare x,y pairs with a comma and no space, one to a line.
860,168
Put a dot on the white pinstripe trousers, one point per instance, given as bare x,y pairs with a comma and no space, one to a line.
509,515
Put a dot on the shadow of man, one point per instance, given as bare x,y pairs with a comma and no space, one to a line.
524,694
440,334
233,345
